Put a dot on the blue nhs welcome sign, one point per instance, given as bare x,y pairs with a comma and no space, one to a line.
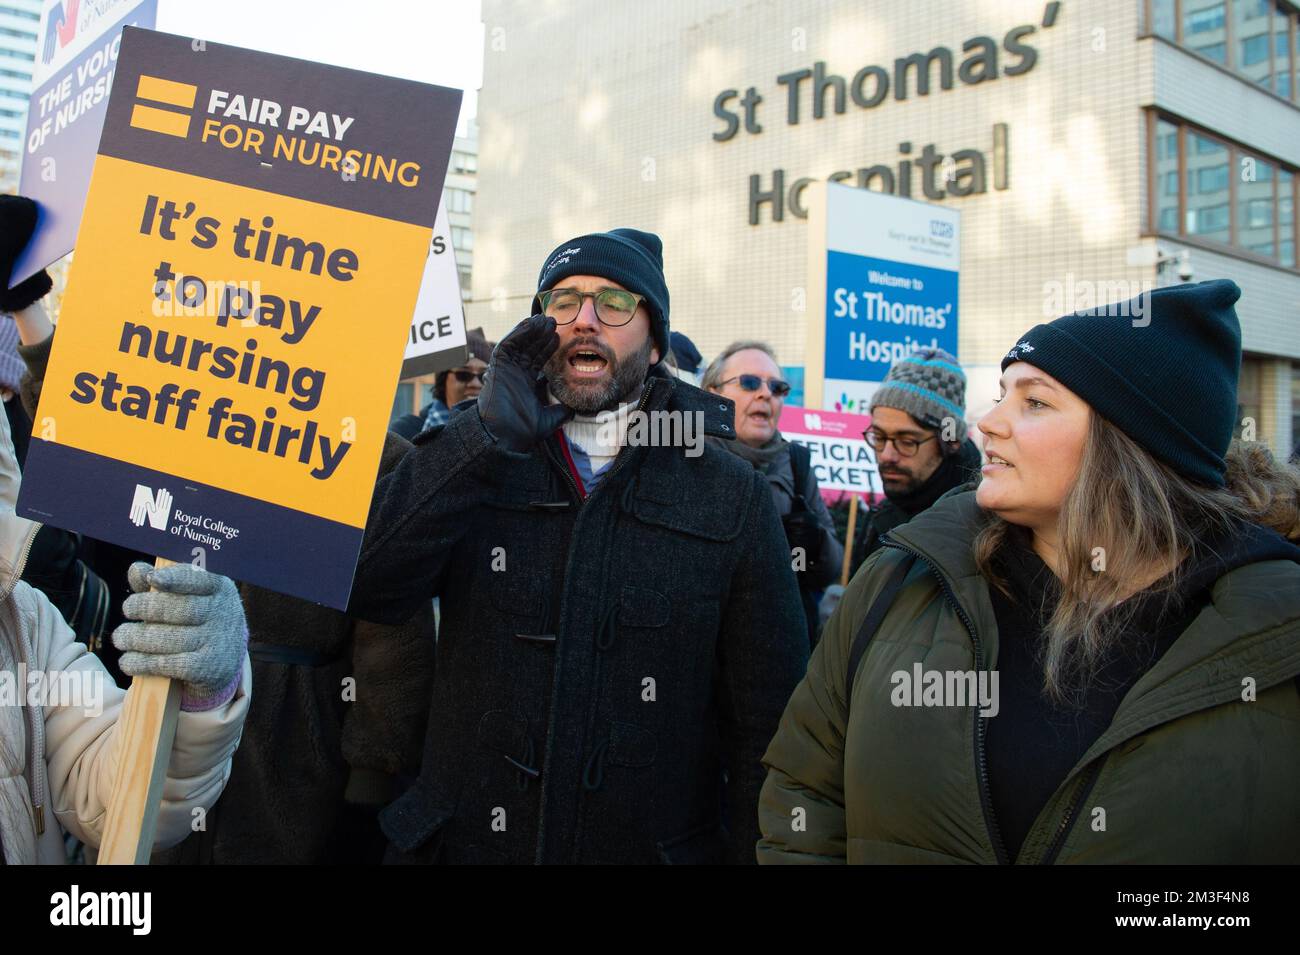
892,268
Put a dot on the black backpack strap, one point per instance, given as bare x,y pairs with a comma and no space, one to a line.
800,464
874,616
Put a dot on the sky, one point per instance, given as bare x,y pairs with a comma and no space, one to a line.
433,41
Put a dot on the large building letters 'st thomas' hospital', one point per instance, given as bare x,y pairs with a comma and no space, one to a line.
1095,149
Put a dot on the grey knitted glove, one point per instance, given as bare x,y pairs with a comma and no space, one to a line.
191,629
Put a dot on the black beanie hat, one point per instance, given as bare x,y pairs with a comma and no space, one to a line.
633,259
684,350
1162,368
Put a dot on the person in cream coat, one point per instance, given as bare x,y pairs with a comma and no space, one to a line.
59,708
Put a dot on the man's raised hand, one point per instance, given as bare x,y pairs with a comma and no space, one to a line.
509,405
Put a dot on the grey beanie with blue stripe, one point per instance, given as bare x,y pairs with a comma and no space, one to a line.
930,386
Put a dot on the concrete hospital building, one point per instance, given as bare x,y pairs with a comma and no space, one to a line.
1093,148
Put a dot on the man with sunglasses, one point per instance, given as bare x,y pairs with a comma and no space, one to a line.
747,372
918,431
452,386
621,628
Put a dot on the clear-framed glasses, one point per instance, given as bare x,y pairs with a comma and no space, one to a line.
906,447
614,306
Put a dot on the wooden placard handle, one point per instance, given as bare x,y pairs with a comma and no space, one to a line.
147,725
848,541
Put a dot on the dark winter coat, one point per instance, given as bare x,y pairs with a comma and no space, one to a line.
311,740
601,661
1197,765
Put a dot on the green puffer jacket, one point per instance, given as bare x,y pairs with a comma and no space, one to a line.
1187,772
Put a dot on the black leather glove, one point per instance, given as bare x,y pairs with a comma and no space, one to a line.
802,530
508,405
17,222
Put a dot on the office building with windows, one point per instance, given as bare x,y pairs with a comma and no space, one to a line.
1093,147
19,21
458,200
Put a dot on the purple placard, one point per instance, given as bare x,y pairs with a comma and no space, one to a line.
62,138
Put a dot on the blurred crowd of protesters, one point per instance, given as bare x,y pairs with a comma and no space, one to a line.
629,662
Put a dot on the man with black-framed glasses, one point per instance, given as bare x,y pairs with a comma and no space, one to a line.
621,628
918,431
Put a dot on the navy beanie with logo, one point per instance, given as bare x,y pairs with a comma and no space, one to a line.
1162,368
630,257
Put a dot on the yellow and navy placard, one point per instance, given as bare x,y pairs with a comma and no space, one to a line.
237,311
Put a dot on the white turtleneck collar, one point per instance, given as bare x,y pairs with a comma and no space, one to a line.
602,435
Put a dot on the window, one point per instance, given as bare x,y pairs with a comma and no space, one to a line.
1207,188
21,14
19,55
1164,17
1255,206
1254,50
465,274
403,401
21,34
1211,180
462,239
15,74
1205,20
11,134
464,162
1204,28
1167,176
458,200
1250,21
1283,65
1256,39
1286,182
1230,195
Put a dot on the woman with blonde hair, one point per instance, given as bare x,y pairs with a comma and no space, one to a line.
1094,655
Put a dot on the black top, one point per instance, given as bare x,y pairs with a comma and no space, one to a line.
1034,742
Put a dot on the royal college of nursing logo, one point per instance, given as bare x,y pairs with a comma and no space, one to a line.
61,28
153,507
561,257
1020,349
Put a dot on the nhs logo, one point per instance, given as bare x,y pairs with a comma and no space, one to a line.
940,229
153,507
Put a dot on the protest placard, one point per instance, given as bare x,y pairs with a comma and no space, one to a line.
437,339
883,275
841,458
248,265
71,79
